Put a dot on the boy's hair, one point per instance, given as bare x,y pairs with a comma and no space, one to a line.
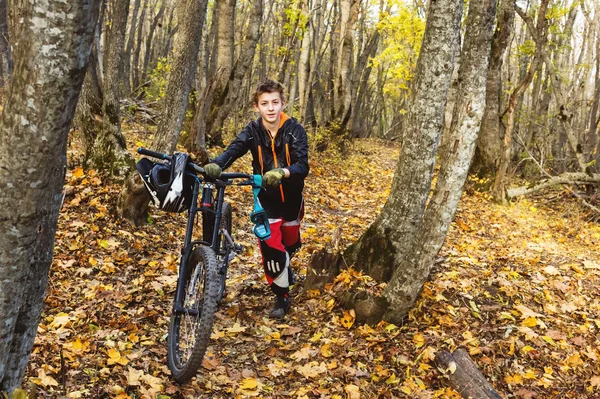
268,86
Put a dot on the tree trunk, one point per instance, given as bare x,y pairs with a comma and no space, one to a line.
224,51
129,47
489,144
108,150
34,126
175,104
5,52
239,72
135,64
183,67
382,246
150,39
410,275
498,190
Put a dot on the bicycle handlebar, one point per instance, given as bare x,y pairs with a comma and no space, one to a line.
198,169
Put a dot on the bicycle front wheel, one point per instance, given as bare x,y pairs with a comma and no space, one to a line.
191,324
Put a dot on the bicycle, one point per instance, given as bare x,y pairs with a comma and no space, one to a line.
203,266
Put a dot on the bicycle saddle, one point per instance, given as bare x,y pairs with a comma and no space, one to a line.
259,217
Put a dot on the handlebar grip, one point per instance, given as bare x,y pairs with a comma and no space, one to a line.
151,153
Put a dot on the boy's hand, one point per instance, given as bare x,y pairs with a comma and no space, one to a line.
213,170
273,177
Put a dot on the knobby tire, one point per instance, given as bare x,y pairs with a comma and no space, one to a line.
185,353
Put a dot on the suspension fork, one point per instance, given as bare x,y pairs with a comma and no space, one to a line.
187,249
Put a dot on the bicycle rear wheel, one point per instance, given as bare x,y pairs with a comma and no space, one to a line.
191,326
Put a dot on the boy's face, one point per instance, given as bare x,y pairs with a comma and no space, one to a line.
269,106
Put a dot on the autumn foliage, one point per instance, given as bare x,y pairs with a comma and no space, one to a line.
514,285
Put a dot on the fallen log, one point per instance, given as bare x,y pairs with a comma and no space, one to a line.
565,178
464,376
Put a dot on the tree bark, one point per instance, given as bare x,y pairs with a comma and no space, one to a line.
464,376
410,275
33,136
224,52
150,40
382,246
489,144
107,151
130,40
565,178
5,51
135,65
183,67
498,190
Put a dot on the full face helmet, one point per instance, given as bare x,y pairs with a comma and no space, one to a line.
169,185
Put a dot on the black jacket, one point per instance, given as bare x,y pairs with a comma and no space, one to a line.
288,150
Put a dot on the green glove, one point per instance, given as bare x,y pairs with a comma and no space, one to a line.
273,177
212,170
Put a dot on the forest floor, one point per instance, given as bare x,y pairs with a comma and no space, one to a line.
516,285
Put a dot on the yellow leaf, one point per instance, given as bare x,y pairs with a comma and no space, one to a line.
316,337
348,319
113,356
326,351
104,244
530,322
530,375
92,261
419,340
61,320
574,360
78,172
249,383
526,349
330,304
513,379
235,329
548,340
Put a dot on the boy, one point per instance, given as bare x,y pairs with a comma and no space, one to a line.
279,148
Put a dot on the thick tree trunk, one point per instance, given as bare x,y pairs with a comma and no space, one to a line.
107,152
489,144
410,275
33,129
385,242
183,67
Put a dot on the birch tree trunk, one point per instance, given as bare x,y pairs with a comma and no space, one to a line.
381,248
409,277
33,137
